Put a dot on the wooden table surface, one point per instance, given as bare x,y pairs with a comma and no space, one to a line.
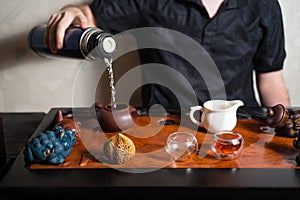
266,168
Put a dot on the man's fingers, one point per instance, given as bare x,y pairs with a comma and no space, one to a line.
47,31
81,20
59,22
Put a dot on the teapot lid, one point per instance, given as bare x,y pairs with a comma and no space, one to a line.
277,116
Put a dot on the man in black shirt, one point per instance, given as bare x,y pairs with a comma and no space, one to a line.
239,35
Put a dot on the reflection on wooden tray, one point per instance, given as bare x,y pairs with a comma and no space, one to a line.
261,150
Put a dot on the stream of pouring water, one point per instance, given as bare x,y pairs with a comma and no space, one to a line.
108,62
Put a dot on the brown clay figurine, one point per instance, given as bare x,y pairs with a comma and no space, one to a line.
286,122
67,122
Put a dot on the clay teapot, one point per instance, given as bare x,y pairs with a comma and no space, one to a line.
286,121
119,117
277,116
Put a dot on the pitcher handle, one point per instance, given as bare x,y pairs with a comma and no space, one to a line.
192,111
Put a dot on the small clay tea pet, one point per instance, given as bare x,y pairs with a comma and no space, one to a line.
286,123
68,123
50,147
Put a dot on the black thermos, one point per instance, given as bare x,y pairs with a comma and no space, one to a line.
89,44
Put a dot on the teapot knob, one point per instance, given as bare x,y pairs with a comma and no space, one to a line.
98,105
95,107
270,112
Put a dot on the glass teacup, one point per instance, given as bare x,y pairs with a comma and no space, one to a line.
227,145
180,145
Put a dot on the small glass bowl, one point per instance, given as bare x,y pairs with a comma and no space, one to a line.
180,145
227,145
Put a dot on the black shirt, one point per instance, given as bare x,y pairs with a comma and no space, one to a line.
245,35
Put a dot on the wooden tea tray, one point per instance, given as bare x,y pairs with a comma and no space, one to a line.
261,150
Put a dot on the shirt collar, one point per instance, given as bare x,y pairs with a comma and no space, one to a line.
229,4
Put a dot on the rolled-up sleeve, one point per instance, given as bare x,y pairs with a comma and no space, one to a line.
271,52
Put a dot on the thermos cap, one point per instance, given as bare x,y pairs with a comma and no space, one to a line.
109,44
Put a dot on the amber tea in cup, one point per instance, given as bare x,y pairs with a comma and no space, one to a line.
227,145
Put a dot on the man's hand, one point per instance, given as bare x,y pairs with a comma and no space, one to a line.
70,15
